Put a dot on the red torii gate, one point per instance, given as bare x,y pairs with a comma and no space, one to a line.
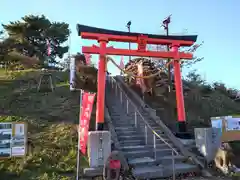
103,36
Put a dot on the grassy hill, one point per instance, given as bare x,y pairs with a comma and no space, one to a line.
51,118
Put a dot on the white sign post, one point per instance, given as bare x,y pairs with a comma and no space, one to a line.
72,74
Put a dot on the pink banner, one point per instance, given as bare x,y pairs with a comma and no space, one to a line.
140,81
122,63
84,121
88,58
48,48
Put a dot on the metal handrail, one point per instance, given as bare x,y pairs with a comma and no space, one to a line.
154,132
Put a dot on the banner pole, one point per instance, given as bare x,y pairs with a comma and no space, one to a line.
78,150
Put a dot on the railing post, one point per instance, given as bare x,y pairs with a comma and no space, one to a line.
121,96
116,88
154,147
127,106
173,165
146,141
112,82
135,118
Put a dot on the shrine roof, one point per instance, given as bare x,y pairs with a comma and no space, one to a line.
83,28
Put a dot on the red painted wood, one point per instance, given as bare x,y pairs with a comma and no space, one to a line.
127,52
117,38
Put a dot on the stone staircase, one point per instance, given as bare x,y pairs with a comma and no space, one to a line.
147,149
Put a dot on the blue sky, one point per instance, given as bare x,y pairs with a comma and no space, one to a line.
216,22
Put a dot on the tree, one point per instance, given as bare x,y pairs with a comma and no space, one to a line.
6,46
34,34
1,33
65,64
193,49
161,63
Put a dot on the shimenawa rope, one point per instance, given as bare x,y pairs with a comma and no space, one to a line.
132,75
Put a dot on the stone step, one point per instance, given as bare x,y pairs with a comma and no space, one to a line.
147,153
148,172
165,160
126,132
117,111
129,132
122,118
115,116
127,127
140,136
131,147
140,147
131,142
162,171
131,137
132,113
124,125
119,124
133,134
179,169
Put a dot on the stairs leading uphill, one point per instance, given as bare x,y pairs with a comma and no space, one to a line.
147,149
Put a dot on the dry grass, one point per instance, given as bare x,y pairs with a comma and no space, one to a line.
51,118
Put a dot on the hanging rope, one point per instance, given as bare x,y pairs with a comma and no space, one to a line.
131,74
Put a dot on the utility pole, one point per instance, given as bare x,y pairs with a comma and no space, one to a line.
69,49
165,24
129,30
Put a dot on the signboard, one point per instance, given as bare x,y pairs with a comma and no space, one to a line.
87,104
13,139
233,124
80,81
217,123
229,126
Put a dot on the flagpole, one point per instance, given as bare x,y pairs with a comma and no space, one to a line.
121,65
129,30
78,149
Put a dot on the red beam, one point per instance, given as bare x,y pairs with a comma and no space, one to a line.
117,38
126,52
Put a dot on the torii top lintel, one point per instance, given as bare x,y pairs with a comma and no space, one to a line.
93,33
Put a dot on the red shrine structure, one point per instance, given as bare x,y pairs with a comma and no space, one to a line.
103,36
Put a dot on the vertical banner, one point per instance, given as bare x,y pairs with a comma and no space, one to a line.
140,81
122,64
88,58
48,48
87,104
72,74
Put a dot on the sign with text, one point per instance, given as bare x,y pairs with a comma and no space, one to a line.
86,110
229,126
233,124
13,139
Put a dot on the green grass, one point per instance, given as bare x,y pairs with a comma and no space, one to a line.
51,118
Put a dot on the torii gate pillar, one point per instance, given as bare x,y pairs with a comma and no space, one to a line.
179,92
101,84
